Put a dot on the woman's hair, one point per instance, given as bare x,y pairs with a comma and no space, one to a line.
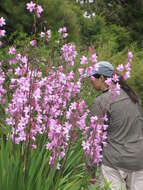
131,93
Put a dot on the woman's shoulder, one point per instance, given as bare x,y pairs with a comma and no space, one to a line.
107,98
103,96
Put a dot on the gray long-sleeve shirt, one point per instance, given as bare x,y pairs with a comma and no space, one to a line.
124,147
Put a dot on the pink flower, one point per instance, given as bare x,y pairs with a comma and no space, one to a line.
62,30
114,90
117,89
30,6
93,58
130,55
39,10
91,69
81,71
12,61
33,146
120,67
10,71
12,50
83,60
42,34
33,43
2,21
18,56
115,78
18,71
73,106
65,35
126,75
92,78
48,35
86,146
24,59
109,81
2,33
128,66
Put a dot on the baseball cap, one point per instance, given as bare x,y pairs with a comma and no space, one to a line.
104,68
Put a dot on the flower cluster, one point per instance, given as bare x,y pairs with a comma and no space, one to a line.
39,105
34,7
69,53
33,43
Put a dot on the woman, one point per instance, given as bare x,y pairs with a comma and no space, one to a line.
122,163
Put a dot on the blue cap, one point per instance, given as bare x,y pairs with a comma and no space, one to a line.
105,68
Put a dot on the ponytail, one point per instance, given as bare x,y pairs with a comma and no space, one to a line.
130,92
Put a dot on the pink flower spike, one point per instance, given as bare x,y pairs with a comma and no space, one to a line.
2,33
30,6
12,50
2,21
33,43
